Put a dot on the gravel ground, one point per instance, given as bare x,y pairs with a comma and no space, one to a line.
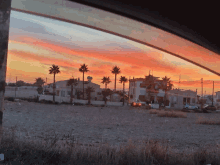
112,125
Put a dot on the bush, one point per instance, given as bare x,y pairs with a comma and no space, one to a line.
202,120
10,99
78,104
171,114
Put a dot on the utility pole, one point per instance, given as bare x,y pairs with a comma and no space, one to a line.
129,91
178,92
15,86
212,93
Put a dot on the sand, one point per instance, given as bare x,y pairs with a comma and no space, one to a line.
112,125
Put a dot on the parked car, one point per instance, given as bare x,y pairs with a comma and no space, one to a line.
136,104
210,107
187,106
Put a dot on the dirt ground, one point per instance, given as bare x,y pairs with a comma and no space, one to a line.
113,125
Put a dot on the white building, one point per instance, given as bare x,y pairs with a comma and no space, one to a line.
65,91
177,97
138,90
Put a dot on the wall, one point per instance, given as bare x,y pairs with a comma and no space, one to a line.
25,93
57,98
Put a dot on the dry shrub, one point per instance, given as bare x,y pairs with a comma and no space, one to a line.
172,114
154,111
202,120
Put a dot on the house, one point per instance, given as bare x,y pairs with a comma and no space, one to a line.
179,97
65,91
138,91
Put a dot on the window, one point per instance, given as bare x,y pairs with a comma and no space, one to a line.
63,93
193,100
142,92
69,93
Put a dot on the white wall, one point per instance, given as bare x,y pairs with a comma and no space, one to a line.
25,93
57,98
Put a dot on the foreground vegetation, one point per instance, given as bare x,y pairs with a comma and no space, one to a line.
202,120
162,113
150,152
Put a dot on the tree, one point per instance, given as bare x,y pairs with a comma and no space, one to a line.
106,81
83,69
123,80
40,90
109,92
78,93
54,70
166,85
72,82
115,70
105,93
12,84
20,83
89,90
39,82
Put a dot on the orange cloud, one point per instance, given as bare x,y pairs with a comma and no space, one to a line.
100,62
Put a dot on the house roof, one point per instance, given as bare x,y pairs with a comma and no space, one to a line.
137,79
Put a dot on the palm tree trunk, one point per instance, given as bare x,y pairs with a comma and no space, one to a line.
115,82
165,98
83,85
71,97
123,94
4,31
105,94
89,98
54,88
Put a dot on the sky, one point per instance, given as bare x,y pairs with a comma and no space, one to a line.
35,43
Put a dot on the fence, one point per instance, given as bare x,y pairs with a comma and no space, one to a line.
21,93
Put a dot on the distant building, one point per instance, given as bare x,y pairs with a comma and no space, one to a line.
177,97
138,90
65,91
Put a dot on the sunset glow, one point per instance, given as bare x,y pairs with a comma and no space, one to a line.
35,43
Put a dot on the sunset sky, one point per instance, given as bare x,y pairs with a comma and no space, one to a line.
35,43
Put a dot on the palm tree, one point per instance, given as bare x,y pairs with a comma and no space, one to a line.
83,69
89,90
72,82
54,70
39,82
106,81
115,70
109,92
123,80
166,85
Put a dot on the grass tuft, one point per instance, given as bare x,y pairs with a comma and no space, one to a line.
202,120
172,114
162,113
